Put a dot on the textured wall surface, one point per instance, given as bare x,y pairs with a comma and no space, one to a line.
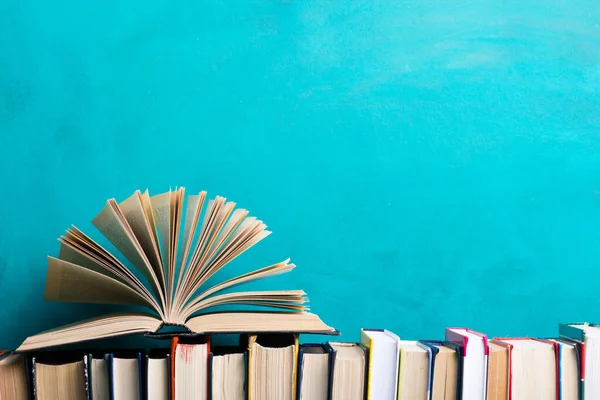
425,164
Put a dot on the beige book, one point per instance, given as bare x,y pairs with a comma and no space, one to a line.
497,372
313,380
13,381
445,374
414,371
228,376
272,367
99,374
59,381
176,249
348,378
191,370
532,369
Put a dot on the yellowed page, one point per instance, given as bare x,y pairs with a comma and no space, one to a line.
147,203
74,256
161,208
91,329
272,270
195,205
134,213
242,322
175,228
113,225
73,283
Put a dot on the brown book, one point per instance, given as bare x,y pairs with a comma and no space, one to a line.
13,380
59,380
532,368
498,372
176,252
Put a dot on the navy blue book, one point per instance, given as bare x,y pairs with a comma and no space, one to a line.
445,369
313,372
157,375
125,376
348,371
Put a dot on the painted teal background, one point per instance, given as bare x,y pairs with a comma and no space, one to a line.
424,163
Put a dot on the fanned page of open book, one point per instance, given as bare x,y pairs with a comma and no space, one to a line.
148,232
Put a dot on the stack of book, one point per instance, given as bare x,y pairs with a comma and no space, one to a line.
268,366
172,253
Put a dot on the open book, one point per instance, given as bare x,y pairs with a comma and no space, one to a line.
175,252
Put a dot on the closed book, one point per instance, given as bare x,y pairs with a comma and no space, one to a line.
568,369
443,370
157,372
347,371
384,355
99,385
498,372
474,353
587,336
413,375
189,367
228,373
13,376
313,372
272,366
125,375
59,376
532,368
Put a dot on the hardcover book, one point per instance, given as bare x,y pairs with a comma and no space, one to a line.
175,253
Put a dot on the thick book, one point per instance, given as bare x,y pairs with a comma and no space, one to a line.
14,377
228,373
474,353
175,249
384,356
587,336
59,376
347,371
272,366
157,372
125,376
568,369
532,368
443,370
190,367
413,374
99,384
498,372
313,372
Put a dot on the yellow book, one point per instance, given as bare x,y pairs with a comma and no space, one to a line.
384,352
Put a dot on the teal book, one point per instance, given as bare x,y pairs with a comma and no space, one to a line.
587,337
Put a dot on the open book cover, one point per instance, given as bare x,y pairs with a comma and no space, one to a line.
175,251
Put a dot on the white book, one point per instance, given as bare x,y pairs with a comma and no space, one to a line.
475,361
157,379
384,355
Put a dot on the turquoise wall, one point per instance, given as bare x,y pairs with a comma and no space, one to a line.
425,164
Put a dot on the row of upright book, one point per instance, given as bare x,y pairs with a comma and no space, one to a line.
465,365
